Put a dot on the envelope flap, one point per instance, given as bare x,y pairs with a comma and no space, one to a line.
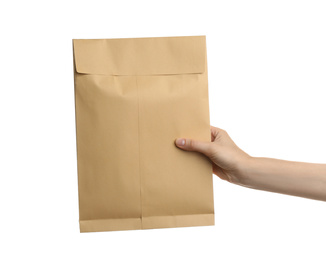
141,56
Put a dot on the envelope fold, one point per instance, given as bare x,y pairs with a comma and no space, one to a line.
140,56
99,225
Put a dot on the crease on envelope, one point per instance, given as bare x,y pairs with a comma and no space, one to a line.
139,170
153,90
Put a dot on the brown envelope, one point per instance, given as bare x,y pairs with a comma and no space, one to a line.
133,98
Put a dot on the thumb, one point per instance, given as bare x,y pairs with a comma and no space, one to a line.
194,145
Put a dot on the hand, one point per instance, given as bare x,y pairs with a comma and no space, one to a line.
227,158
234,165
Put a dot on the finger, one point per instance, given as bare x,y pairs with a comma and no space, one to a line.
194,145
219,172
215,131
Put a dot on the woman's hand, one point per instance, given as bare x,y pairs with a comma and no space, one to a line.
234,165
227,158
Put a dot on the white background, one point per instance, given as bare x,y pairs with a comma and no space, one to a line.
267,65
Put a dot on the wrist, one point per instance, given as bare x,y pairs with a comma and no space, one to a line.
244,170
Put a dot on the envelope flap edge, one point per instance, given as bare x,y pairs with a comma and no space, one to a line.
141,56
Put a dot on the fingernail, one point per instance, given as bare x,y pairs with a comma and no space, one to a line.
180,142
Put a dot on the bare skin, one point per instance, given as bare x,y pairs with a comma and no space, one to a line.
230,163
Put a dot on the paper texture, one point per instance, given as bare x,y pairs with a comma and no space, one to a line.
133,98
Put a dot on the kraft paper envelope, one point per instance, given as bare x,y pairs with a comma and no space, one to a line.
133,98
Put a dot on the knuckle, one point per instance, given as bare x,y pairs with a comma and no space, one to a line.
223,132
191,144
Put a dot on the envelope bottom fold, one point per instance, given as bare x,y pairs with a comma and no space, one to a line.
154,222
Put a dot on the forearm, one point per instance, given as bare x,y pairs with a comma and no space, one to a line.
293,178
